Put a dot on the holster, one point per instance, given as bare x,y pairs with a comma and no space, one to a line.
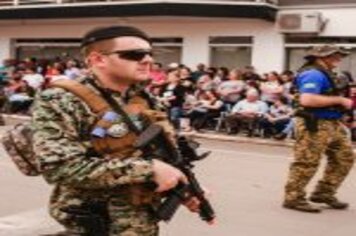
92,216
310,120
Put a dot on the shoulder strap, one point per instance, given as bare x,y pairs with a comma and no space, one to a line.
117,108
328,75
96,103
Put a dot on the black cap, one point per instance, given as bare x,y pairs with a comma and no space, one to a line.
103,33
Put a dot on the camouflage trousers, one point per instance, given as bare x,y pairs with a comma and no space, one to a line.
332,140
118,215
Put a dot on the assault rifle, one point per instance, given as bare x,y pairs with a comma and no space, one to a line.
154,142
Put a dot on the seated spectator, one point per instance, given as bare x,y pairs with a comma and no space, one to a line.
21,101
207,107
277,118
246,113
286,132
15,83
72,71
19,95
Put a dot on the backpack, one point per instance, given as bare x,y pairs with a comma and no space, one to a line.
17,141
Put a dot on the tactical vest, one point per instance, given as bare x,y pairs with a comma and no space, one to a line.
107,137
332,91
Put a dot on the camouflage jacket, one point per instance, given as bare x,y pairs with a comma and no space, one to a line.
62,126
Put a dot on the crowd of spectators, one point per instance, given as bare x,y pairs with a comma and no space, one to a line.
20,80
234,101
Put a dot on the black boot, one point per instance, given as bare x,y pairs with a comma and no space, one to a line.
303,206
280,136
332,202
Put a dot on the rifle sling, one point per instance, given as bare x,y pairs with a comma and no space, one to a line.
117,108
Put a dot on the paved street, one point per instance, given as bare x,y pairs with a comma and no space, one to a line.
246,182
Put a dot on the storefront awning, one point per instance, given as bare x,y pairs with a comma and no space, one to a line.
206,9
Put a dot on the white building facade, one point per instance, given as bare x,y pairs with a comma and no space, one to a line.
230,33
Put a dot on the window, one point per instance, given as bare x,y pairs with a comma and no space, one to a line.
167,50
230,51
297,47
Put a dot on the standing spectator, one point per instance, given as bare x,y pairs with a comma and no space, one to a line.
199,71
231,91
53,69
221,75
277,118
173,97
208,107
251,77
271,90
5,71
157,75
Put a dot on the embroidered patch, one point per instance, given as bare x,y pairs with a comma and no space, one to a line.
118,130
309,85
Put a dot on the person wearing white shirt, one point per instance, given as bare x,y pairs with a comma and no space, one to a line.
246,112
33,79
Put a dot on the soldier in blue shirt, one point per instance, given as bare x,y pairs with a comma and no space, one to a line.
318,131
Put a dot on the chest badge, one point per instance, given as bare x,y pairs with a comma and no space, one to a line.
118,130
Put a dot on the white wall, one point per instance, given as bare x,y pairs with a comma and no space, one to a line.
268,53
340,21
5,49
268,47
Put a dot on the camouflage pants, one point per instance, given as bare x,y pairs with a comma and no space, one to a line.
121,218
330,139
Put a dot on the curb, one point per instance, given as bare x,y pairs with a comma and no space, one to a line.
11,119
240,139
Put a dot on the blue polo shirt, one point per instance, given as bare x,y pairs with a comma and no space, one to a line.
315,82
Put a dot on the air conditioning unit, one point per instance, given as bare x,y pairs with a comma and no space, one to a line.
299,22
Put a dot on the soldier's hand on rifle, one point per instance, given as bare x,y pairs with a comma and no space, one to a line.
192,204
166,176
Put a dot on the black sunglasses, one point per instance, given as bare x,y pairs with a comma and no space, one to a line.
132,55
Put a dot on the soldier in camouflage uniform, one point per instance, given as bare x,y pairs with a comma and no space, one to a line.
319,131
87,183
